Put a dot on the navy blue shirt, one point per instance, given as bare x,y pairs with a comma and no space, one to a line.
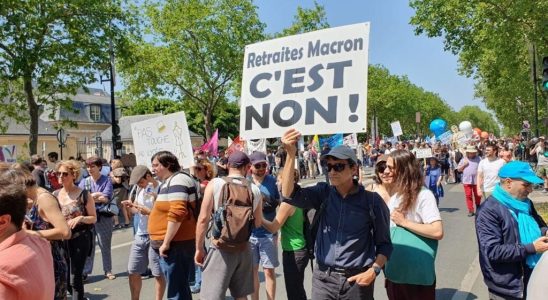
271,200
345,238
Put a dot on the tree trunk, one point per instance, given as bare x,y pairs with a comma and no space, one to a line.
208,123
34,114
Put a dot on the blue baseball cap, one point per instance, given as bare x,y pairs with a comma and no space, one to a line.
519,170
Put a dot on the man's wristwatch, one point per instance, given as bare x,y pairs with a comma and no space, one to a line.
377,270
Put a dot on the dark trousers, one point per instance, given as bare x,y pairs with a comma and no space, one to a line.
397,291
294,263
324,171
495,296
329,285
79,248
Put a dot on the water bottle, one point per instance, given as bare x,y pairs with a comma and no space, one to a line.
149,193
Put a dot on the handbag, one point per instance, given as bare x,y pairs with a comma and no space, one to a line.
413,258
108,209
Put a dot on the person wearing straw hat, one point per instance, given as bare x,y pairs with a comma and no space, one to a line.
511,234
469,168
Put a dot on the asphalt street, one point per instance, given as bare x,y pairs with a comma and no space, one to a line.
457,268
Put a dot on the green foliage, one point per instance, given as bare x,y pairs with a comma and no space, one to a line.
480,119
306,20
494,42
49,49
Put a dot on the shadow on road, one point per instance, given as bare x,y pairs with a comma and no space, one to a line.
448,209
96,296
446,293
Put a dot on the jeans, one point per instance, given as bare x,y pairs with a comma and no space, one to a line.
79,248
294,263
176,268
334,286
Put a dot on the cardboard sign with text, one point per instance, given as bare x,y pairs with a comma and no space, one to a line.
164,133
316,82
423,153
396,128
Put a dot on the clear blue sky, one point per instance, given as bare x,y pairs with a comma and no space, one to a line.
392,44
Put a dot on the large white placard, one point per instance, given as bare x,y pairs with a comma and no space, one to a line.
164,133
396,128
423,153
316,82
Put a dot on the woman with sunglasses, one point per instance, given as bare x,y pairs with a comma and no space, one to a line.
78,209
381,186
204,171
45,220
413,212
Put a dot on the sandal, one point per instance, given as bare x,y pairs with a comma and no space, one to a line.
110,276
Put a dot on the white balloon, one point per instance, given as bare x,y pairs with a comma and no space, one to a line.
465,126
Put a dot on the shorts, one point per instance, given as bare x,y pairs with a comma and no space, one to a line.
226,270
140,255
542,171
265,251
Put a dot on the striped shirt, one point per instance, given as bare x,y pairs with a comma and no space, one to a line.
175,202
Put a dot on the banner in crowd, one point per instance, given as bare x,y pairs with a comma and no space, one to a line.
423,153
315,81
169,133
8,153
316,143
351,140
332,141
213,144
396,128
446,137
255,145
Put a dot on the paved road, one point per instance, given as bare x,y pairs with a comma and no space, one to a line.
458,273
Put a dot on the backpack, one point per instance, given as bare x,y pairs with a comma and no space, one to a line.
233,220
312,223
192,190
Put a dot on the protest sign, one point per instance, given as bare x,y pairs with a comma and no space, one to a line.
316,81
396,128
423,153
8,153
445,138
351,140
169,133
255,145
332,141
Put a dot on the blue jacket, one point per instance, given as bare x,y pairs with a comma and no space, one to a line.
501,254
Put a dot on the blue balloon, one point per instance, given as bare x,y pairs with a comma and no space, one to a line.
437,127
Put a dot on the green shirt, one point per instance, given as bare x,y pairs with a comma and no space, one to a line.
293,232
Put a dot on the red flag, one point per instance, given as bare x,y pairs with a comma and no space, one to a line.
237,145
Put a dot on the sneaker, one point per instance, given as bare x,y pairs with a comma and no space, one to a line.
471,214
195,289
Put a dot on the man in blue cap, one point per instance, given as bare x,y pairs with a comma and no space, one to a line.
511,234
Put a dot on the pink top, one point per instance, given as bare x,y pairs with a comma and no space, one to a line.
26,268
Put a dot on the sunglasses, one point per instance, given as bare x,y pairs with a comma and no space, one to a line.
260,166
337,167
62,174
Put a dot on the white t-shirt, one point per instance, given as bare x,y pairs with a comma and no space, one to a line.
218,186
425,211
142,221
490,170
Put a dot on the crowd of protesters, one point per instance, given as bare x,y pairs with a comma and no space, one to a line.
357,231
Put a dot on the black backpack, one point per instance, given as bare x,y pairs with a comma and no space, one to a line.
312,223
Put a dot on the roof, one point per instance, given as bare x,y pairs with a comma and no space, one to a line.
81,103
125,127
24,129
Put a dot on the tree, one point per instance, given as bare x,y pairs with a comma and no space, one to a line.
479,119
49,49
195,54
494,42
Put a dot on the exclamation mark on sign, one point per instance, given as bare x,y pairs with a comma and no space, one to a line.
353,103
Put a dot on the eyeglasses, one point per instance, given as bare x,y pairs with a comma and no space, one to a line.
337,167
260,166
62,174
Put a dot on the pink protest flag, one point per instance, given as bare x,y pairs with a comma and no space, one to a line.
213,144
